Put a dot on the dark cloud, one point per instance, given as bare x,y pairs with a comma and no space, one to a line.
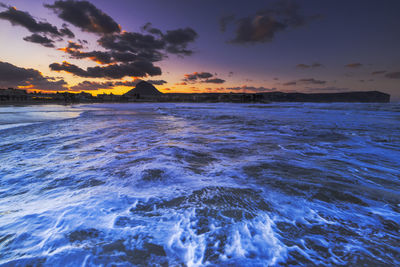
197,75
101,57
49,84
24,19
150,46
74,45
214,80
302,66
67,32
178,40
157,82
251,88
144,45
91,86
68,67
263,26
393,75
378,72
125,57
132,49
125,53
305,66
148,27
16,76
353,65
311,81
43,40
13,76
85,15
97,56
115,71
260,28
305,81
316,65
128,83
202,77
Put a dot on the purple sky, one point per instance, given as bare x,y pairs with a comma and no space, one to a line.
201,46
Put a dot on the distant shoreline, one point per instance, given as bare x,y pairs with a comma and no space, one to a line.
263,98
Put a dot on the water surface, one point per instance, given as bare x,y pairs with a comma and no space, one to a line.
200,184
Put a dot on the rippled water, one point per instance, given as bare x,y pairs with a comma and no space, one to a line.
200,184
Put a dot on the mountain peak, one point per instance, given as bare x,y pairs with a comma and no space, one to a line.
144,88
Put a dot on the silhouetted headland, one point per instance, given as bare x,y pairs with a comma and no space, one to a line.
146,92
143,89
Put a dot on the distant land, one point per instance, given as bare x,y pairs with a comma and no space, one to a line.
146,92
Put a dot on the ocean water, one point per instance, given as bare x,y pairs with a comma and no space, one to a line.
200,184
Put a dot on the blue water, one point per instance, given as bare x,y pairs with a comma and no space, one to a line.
200,184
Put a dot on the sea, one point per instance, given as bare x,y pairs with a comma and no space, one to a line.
200,184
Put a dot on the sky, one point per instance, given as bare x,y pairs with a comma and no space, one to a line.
201,46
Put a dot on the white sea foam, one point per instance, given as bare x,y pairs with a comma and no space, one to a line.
200,184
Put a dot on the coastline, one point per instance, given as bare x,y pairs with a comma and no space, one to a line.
262,98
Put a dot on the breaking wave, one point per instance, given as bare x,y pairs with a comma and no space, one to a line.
200,184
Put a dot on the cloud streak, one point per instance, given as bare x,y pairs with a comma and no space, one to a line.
304,81
306,66
202,77
38,39
24,19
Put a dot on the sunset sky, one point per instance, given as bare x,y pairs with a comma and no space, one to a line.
201,46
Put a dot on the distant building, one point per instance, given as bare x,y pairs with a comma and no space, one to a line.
13,95
84,97
109,97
